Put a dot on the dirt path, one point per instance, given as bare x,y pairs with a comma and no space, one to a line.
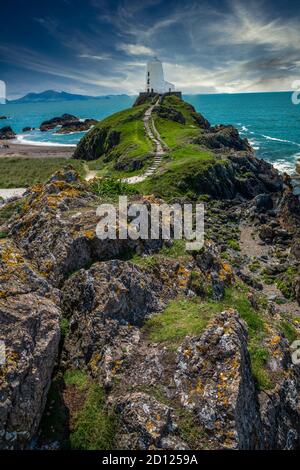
159,146
256,251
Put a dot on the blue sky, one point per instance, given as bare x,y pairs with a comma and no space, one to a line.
101,46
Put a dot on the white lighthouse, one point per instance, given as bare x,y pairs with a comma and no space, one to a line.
155,82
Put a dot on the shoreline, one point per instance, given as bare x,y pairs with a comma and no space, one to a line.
21,150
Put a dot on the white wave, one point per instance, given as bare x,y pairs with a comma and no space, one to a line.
22,140
286,166
268,137
244,129
254,144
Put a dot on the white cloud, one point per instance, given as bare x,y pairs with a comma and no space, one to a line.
251,25
135,49
93,57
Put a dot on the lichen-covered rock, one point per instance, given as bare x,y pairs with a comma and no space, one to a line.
57,229
146,424
105,305
280,407
214,379
29,328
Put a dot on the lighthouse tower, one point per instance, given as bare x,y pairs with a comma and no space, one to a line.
155,82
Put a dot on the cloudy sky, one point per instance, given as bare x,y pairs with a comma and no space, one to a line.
100,46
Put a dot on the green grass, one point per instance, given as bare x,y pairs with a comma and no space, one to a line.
288,330
234,244
111,187
176,251
134,143
181,175
180,318
184,317
285,282
24,172
76,377
95,424
173,133
9,210
64,326
259,357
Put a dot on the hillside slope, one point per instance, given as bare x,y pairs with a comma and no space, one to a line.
200,159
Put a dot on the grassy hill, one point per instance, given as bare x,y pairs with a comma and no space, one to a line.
118,145
196,159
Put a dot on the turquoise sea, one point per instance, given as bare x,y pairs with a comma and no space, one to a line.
269,120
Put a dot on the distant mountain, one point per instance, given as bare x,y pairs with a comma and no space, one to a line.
53,96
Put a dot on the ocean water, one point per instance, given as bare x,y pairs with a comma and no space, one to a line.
269,120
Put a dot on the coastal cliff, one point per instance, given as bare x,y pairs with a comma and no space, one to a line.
139,344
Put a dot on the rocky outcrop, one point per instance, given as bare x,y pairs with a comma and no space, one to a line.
97,142
29,318
7,133
105,305
214,379
27,129
243,175
57,121
77,126
128,163
280,408
170,114
146,424
198,118
223,137
57,229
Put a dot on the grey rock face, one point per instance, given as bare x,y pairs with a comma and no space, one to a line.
29,319
214,379
146,424
58,230
106,304
223,137
280,408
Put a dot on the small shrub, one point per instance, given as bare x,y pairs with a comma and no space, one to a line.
288,330
111,187
234,244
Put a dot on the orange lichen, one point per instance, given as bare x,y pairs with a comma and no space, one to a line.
89,234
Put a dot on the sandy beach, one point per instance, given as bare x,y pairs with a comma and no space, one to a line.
34,151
